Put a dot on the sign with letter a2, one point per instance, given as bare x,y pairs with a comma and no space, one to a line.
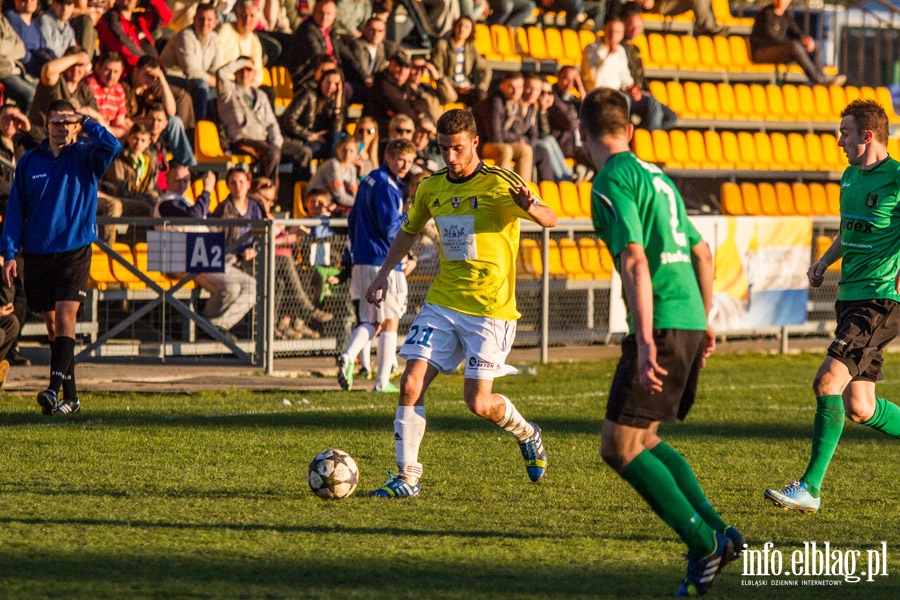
191,252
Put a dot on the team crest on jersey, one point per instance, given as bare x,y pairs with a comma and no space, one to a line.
473,200
455,201
871,200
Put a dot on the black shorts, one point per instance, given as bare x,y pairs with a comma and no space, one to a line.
678,351
58,277
864,328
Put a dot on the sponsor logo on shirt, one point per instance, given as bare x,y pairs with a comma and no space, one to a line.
673,257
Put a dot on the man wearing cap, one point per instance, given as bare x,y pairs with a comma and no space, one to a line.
54,23
390,95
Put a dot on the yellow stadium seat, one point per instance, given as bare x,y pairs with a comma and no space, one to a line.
299,208
208,148
675,94
101,276
731,150
662,149
532,267
750,195
572,46
484,43
557,270
693,100
818,199
674,51
710,96
707,51
586,196
759,102
797,148
868,93
571,200
768,201
793,104
556,50
744,105
784,196
697,150
587,37
549,193
283,85
727,101
802,199
851,92
537,43
835,159
824,109
732,203
724,16
128,279
764,150
690,51
643,145
658,90
833,192
571,260
815,155
592,259
679,145
893,147
781,152
838,99
504,43
723,54
640,42
520,36
658,51
775,103
740,54
747,145
713,144
883,97
823,242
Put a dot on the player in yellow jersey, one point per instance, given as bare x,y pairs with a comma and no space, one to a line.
470,311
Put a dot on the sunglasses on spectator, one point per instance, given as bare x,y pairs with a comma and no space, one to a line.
370,131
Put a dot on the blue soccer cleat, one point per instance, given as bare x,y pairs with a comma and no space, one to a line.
396,487
534,454
47,400
795,496
701,572
737,541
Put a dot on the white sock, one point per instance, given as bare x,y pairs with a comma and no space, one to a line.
365,357
513,422
361,336
409,429
387,354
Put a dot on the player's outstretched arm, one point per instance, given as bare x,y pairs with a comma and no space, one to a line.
701,260
541,214
400,247
638,288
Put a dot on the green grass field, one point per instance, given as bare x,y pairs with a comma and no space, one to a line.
205,495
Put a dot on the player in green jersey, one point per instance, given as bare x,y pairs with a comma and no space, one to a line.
868,245
667,278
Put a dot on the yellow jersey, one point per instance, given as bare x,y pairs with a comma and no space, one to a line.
478,223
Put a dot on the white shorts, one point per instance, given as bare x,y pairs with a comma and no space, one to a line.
444,337
395,298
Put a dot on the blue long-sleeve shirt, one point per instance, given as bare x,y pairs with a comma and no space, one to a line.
374,219
53,201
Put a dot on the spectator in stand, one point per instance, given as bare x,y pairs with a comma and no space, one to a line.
605,64
314,39
351,17
58,34
231,293
131,179
704,17
166,138
239,205
12,50
656,114
192,57
9,329
24,22
549,160
428,153
423,96
400,127
147,87
373,53
84,21
776,38
509,13
390,96
273,18
462,73
239,38
63,79
563,113
339,175
292,304
315,118
366,134
128,32
503,129
107,89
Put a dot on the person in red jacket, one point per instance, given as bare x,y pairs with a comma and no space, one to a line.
130,33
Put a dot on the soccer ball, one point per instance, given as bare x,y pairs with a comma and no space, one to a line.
333,474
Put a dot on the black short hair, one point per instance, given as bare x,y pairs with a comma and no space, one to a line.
60,106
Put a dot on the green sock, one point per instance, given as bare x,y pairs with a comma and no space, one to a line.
827,428
688,484
886,418
653,481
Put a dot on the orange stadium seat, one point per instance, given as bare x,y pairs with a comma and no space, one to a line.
768,200
283,85
852,93
723,54
128,279
697,150
640,42
681,153
571,260
883,97
781,152
589,251
759,102
587,37
101,276
643,145
570,200
784,196
658,90
674,50
586,196
747,146
713,144
740,54
675,94
663,149
693,100
724,16
658,51
838,98
557,270
835,159
818,199
709,93
709,61
814,153
750,195
208,148
549,193
775,103
764,149
833,192
690,52
731,150
824,106
802,199
793,105
731,201
797,148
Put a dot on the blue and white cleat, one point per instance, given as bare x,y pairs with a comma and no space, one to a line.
701,572
396,487
795,496
737,541
534,454
48,401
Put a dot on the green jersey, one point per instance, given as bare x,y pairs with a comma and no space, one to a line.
870,232
635,202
